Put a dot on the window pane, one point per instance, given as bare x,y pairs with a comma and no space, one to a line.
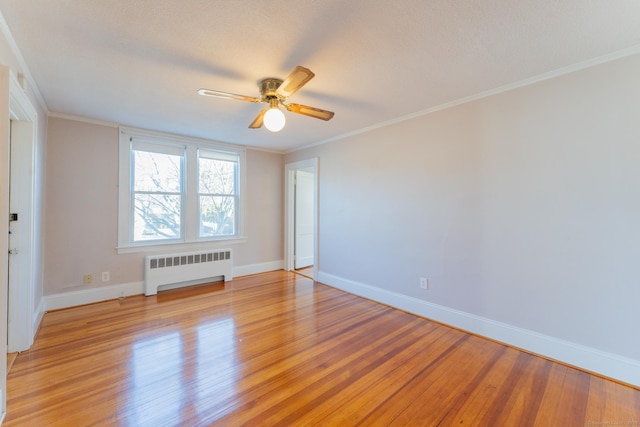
157,217
216,176
217,216
157,172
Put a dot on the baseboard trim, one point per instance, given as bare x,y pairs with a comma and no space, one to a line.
246,270
589,359
105,293
89,296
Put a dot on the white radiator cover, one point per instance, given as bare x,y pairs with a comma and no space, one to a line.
183,267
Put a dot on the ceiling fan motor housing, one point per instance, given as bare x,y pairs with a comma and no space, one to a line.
268,87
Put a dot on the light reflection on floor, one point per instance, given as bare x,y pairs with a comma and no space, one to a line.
162,386
217,363
156,366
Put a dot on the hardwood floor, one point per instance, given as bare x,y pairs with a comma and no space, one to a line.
277,349
306,271
11,357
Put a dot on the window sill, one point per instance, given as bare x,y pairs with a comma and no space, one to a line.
179,247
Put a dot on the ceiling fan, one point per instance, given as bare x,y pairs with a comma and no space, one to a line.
275,92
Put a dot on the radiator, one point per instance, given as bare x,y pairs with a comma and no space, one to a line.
187,267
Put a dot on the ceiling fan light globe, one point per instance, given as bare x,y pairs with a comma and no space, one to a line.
274,120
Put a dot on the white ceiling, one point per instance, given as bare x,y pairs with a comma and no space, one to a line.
140,62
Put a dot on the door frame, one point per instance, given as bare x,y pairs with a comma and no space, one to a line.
21,302
310,165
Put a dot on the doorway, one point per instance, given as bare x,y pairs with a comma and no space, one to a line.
301,213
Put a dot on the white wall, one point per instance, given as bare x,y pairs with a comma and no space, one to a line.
521,208
82,213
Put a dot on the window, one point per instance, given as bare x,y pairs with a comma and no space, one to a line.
217,194
178,190
157,192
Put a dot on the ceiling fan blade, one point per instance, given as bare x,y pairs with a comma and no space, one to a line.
310,111
257,122
298,78
218,94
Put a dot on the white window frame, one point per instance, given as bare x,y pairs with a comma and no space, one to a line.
189,239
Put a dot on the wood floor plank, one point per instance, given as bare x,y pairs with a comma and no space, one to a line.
565,397
360,396
279,349
326,377
608,402
423,376
449,383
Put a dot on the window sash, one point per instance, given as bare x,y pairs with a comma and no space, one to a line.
143,208
233,185
207,210
223,221
161,228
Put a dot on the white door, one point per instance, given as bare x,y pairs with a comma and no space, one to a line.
13,239
21,243
17,308
303,219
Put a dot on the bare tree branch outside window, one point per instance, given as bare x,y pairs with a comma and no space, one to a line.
157,195
217,197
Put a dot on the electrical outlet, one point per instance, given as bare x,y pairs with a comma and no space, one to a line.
424,283
105,276
88,278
